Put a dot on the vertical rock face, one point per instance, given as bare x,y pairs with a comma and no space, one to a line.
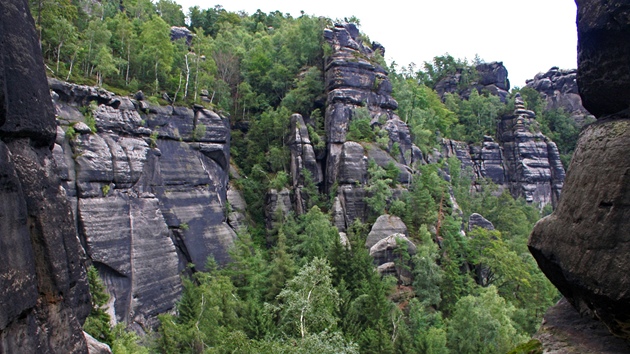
355,81
559,89
523,160
583,246
43,286
603,52
533,167
149,189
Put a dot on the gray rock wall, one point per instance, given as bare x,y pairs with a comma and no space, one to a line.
149,189
583,246
44,296
559,89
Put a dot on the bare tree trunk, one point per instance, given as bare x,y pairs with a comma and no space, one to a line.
128,64
156,77
178,87
187,77
59,54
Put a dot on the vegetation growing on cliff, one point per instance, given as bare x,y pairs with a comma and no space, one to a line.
296,288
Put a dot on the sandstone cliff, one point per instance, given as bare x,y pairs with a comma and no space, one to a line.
149,190
583,246
44,295
559,89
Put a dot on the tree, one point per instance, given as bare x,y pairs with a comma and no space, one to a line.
157,48
309,301
427,274
171,12
482,324
377,189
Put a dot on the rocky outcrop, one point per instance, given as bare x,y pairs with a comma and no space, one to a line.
603,52
533,167
43,286
355,81
564,331
524,161
583,246
559,89
302,160
390,248
490,77
477,220
149,189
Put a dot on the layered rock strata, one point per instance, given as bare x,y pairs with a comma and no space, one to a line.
149,188
354,82
583,246
44,296
533,167
490,77
559,89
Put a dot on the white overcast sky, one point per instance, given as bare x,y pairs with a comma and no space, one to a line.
528,36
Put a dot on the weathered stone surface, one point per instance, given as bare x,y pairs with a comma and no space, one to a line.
277,206
237,213
559,89
492,77
531,171
603,52
150,187
582,246
352,200
383,250
302,159
44,295
383,227
476,220
383,159
96,347
353,164
24,94
129,242
488,161
564,331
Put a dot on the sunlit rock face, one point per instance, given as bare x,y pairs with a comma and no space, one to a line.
583,246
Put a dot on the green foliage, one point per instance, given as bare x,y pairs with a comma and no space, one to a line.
97,324
309,301
377,189
359,128
105,189
199,132
482,324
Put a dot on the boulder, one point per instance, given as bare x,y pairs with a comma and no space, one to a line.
384,226
583,246
476,220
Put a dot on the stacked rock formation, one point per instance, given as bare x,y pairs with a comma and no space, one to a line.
149,187
523,161
355,81
43,286
533,167
492,77
583,246
559,89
